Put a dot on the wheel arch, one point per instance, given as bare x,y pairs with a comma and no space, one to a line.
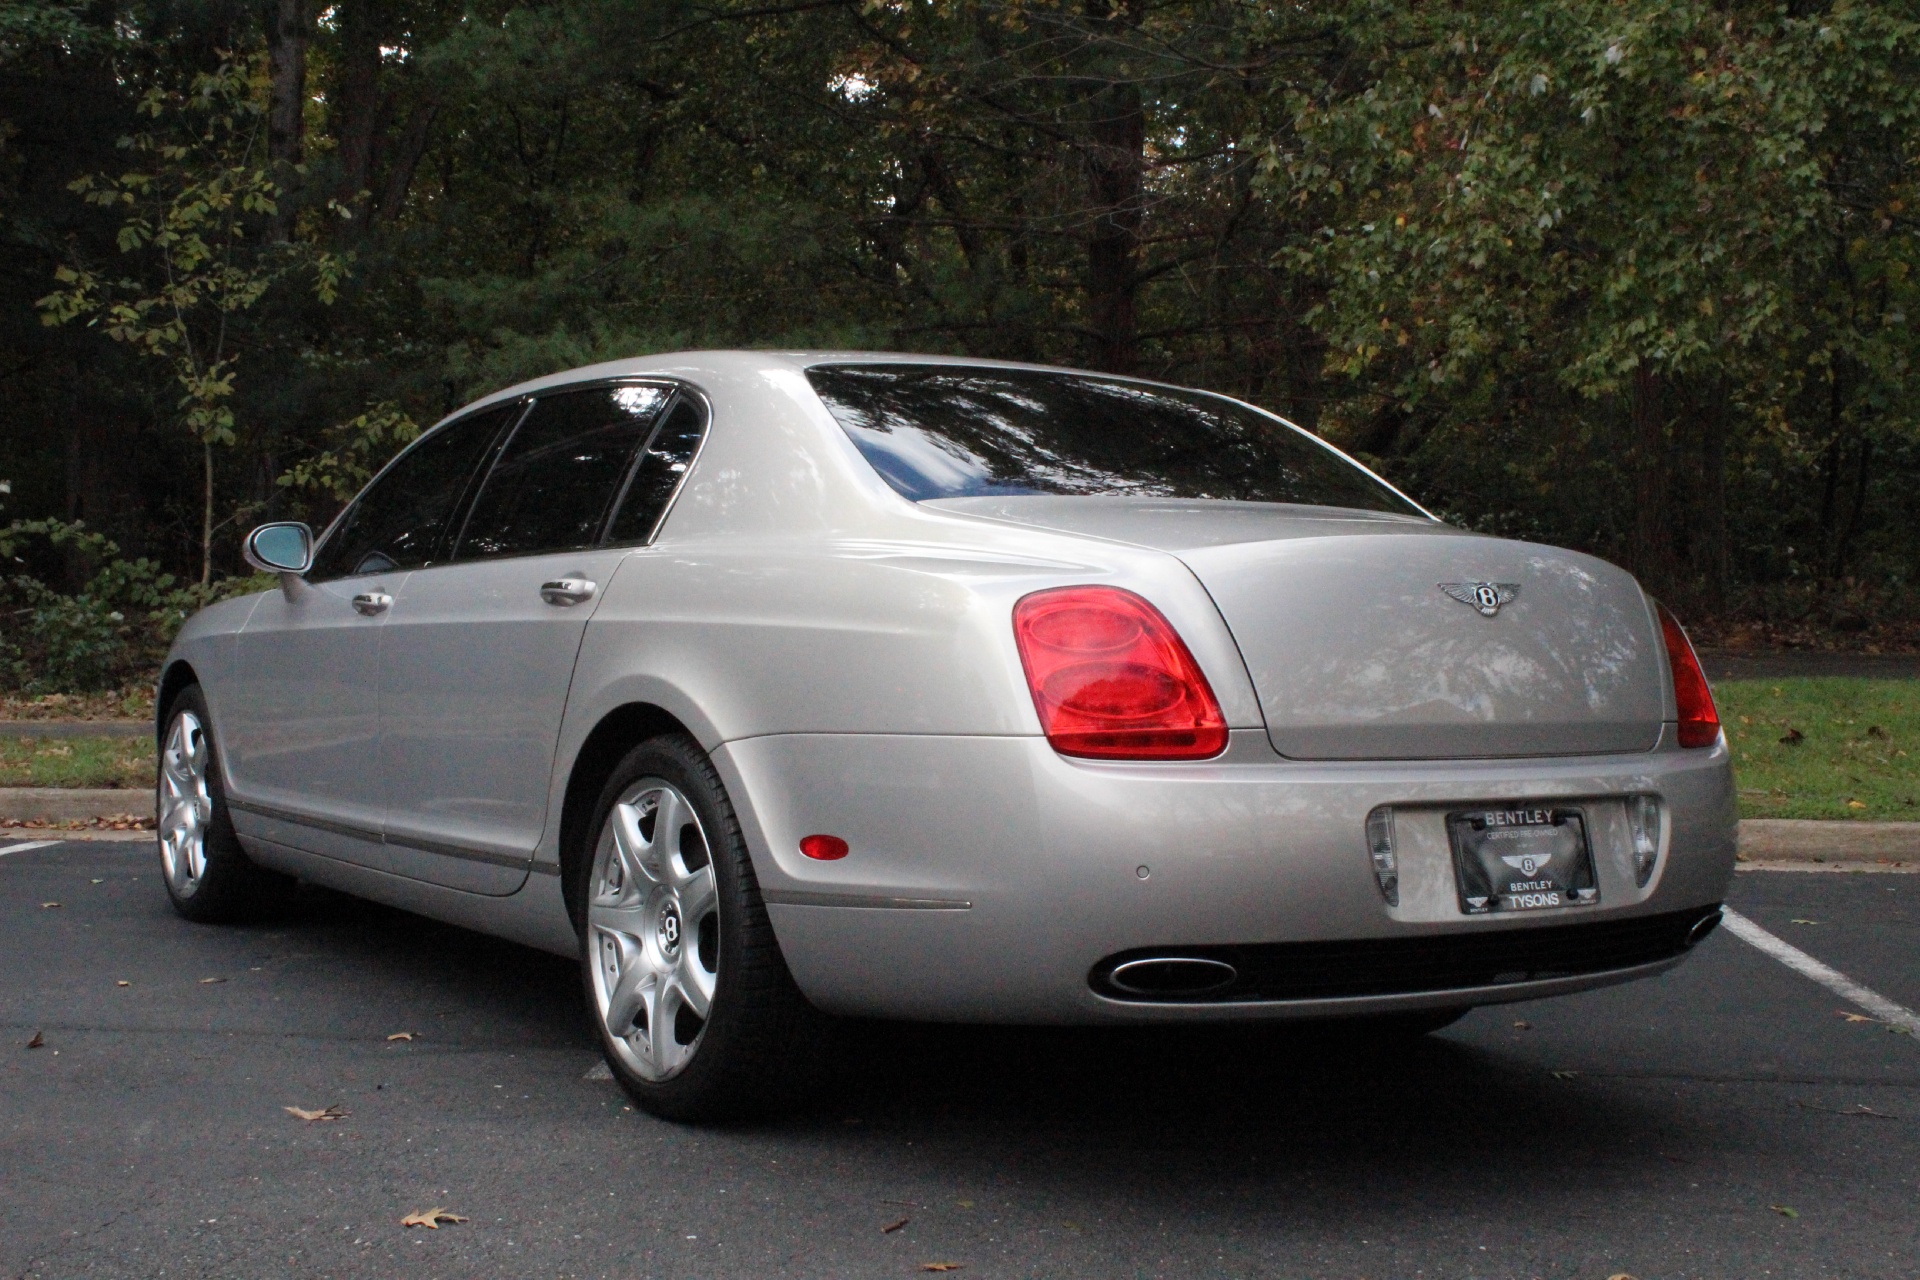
618,732
178,675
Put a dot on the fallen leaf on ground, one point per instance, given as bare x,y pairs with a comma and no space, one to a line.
1856,804
892,1227
38,1042
1793,739
941,1266
430,1218
1857,1109
1784,1211
1564,1075
334,1112
402,1035
46,906
1524,1026
1851,1016
205,981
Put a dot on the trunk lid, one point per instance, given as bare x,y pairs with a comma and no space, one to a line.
1356,650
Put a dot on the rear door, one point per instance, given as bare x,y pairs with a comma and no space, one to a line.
479,653
301,731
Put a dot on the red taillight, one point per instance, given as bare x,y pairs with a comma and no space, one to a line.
1112,680
1699,719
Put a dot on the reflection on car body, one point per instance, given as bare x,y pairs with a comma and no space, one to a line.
783,685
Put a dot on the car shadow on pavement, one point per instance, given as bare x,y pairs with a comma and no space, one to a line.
1207,1102
1166,1103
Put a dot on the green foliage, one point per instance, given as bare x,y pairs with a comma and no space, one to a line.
111,632
191,216
1632,239
354,451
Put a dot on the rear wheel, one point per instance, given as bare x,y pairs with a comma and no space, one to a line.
697,1014
209,877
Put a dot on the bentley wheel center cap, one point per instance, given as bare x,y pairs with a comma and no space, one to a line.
670,929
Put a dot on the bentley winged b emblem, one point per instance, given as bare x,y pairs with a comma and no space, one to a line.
1487,597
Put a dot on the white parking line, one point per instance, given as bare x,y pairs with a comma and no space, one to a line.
1840,984
31,844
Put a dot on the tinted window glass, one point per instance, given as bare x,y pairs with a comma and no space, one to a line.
661,468
555,479
401,521
935,431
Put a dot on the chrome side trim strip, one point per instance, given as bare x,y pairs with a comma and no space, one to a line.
407,842
460,851
865,901
302,820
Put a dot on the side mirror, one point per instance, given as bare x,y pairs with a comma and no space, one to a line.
280,548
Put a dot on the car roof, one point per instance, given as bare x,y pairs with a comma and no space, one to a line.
692,366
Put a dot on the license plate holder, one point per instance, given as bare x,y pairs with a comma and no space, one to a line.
1521,857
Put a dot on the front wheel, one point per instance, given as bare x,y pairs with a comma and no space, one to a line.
696,1012
209,877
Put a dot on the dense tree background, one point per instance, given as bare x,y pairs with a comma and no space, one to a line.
1635,276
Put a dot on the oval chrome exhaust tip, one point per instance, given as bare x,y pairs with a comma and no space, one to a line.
1705,925
1166,976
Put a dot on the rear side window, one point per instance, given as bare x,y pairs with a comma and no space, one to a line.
402,520
660,470
554,483
951,431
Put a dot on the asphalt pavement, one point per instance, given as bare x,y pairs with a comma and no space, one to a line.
1728,1119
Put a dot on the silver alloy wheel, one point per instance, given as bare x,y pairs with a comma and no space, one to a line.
653,926
186,806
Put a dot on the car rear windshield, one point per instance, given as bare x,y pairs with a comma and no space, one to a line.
952,431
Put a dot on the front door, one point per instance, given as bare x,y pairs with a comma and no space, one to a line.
300,732
479,653
301,736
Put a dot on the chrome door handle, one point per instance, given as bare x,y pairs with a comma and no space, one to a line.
372,602
565,591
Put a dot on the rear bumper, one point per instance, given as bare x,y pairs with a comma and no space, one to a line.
990,878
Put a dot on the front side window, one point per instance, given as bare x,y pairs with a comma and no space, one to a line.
401,520
953,431
556,478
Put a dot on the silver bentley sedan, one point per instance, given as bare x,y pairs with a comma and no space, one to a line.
781,685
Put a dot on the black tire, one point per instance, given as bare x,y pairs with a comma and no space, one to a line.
230,887
761,1044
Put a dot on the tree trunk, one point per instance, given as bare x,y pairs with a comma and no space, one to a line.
1652,546
288,33
1116,164
1711,553
406,158
358,102
206,513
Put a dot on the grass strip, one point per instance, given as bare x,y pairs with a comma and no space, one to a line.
77,762
1824,747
